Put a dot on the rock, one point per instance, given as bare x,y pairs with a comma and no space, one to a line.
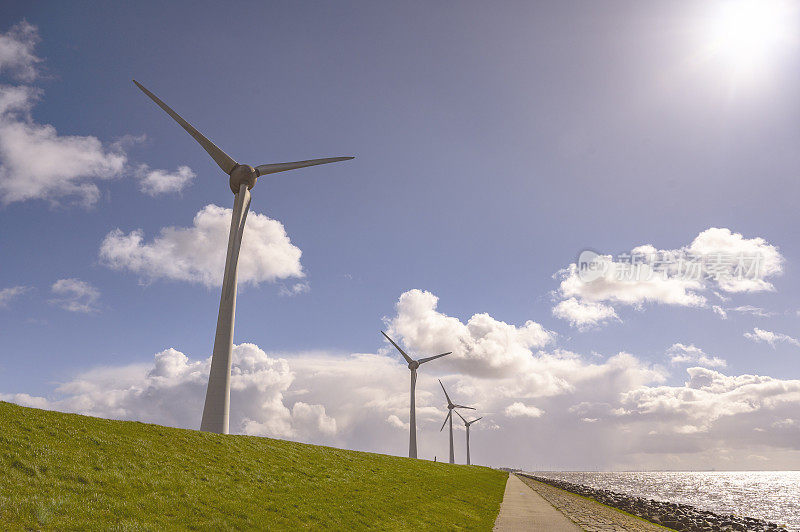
681,517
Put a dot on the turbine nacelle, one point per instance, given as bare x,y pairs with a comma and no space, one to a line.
243,174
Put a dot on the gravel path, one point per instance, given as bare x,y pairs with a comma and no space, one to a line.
588,514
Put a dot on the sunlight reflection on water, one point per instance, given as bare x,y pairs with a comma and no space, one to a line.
770,495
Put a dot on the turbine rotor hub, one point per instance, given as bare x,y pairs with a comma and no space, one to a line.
413,365
243,174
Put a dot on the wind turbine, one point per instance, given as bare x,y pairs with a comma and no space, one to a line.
413,365
450,407
242,178
467,424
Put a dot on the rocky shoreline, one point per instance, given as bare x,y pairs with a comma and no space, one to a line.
681,517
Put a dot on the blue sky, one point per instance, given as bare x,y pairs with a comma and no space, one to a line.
493,144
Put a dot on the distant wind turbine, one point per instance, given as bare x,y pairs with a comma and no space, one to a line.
413,365
467,424
450,407
242,178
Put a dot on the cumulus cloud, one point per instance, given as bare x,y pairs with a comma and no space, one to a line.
709,396
155,182
9,294
598,411
519,409
196,254
693,355
721,245
358,401
38,163
17,56
483,345
760,335
396,422
584,314
171,391
647,286
716,260
75,295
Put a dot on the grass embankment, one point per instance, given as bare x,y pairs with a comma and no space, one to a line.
64,471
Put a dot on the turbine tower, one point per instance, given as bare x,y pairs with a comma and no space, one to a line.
467,424
450,407
242,178
413,365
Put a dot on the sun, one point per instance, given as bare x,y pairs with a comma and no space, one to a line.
748,34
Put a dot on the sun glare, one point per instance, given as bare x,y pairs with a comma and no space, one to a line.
751,33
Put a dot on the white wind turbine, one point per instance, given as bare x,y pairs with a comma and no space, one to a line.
467,424
242,179
450,407
413,365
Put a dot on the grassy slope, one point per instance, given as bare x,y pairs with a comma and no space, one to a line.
64,471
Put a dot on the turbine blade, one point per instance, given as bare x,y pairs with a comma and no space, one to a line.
449,402
220,157
423,360
408,358
474,420
462,417
450,413
265,169
462,406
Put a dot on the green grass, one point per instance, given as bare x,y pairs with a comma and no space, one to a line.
64,471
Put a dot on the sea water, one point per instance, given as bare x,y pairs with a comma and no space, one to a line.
770,495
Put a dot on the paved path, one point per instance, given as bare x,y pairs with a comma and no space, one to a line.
524,509
589,514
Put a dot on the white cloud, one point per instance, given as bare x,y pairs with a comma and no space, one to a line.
612,411
156,182
584,314
396,422
169,390
9,294
75,295
197,254
709,397
519,409
483,345
613,287
17,56
742,309
693,355
754,311
723,242
729,262
760,335
295,289
36,163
